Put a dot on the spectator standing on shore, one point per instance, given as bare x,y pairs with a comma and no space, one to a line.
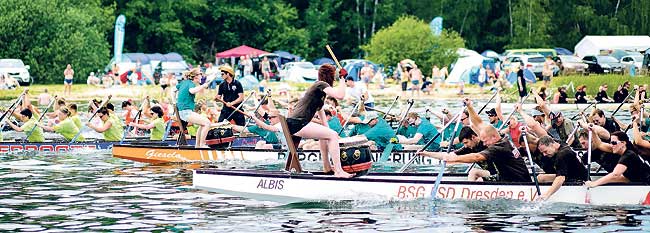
265,65
68,75
521,81
547,71
436,76
404,76
366,73
482,78
416,77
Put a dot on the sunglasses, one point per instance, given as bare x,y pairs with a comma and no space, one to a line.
490,115
615,142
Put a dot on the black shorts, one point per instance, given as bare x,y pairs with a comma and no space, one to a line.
295,125
237,117
164,86
404,85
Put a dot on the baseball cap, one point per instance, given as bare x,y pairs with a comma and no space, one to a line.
349,78
368,116
491,112
554,116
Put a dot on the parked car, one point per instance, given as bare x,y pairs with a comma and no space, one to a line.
603,64
530,52
534,63
299,72
16,69
633,60
571,64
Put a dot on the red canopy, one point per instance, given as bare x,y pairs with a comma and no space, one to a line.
240,51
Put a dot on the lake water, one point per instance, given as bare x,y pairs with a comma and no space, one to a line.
90,191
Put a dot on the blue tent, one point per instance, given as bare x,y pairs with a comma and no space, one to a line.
324,60
490,53
563,51
528,75
354,69
249,82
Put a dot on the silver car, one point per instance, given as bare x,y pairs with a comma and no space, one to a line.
534,63
16,69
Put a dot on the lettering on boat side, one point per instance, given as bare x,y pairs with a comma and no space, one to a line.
270,184
55,148
173,155
396,157
454,192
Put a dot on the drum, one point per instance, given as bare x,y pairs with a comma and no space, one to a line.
356,156
220,137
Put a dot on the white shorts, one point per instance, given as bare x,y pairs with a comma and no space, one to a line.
185,114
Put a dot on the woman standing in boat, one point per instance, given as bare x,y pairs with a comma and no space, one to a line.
299,121
187,90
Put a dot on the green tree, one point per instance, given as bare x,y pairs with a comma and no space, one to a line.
411,38
49,34
531,23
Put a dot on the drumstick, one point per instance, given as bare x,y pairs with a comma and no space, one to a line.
333,56
236,109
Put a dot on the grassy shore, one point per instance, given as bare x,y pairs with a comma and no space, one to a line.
591,81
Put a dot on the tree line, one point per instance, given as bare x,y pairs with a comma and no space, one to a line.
47,35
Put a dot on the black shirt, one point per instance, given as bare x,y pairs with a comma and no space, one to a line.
546,163
520,77
580,97
638,169
611,126
562,99
601,97
230,91
619,96
508,161
568,164
485,165
606,160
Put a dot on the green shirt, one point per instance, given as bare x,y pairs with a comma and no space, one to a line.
381,134
114,133
185,98
116,120
407,131
158,129
498,124
335,125
359,129
68,129
428,131
37,134
449,131
268,136
76,121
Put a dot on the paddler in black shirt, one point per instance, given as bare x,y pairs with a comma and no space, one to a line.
568,166
506,158
610,124
630,168
607,161
471,144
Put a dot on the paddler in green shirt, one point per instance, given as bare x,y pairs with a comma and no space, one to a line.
406,130
425,132
112,132
157,124
380,132
30,122
334,123
74,115
65,127
261,128
495,118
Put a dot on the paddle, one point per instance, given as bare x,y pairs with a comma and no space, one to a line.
488,102
347,119
391,107
399,123
91,117
137,117
238,107
507,119
589,138
575,129
431,141
443,165
622,102
169,122
583,110
268,93
530,160
11,109
40,118
378,110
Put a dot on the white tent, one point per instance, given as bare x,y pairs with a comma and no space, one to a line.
593,45
467,59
